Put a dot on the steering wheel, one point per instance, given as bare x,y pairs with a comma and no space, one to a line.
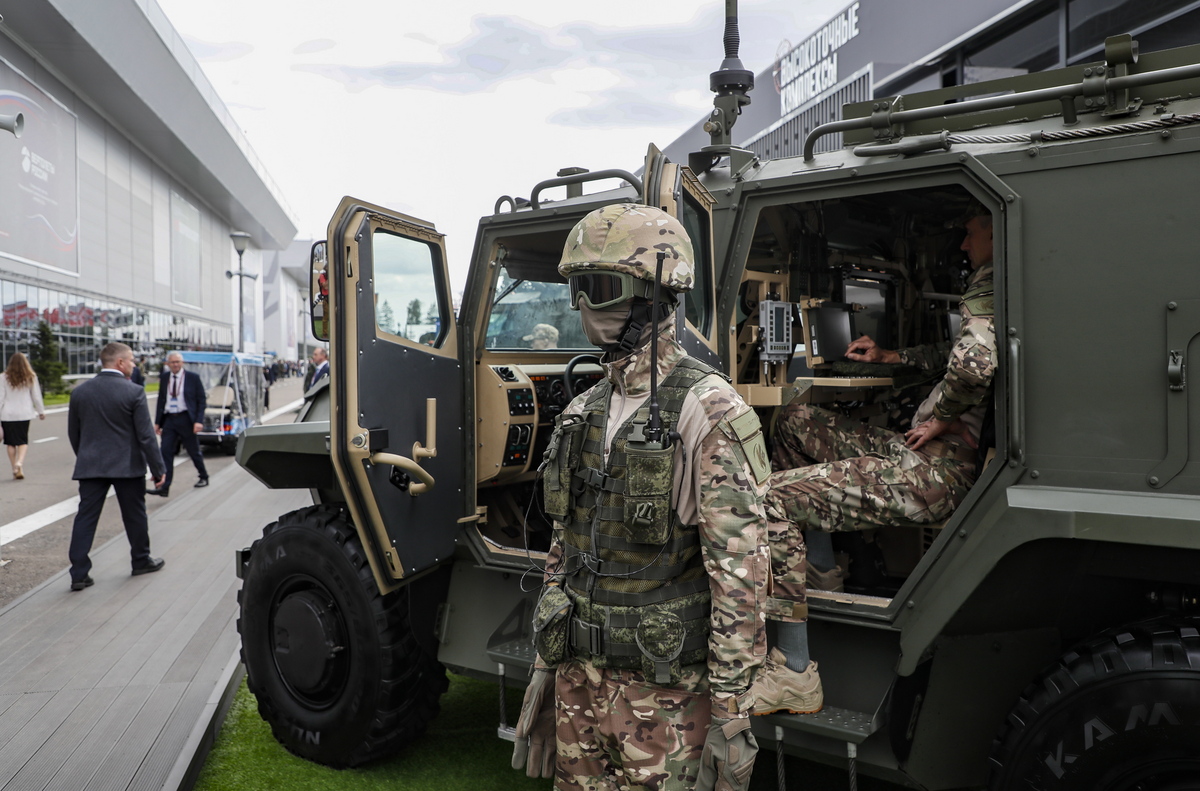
568,385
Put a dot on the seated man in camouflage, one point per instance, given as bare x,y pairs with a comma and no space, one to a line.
834,473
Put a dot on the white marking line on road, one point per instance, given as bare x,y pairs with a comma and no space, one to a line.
44,439
47,516
292,407
35,521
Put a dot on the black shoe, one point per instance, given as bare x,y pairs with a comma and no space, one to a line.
152,566
86,582
201,482
163,492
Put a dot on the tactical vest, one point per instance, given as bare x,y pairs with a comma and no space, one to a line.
633,572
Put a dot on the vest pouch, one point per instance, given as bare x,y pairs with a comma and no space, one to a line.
648,482
562,459
660,635
551,625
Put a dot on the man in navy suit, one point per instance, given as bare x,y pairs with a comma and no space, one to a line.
318,368
108,424
179,417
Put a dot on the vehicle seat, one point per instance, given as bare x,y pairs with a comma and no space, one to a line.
220,399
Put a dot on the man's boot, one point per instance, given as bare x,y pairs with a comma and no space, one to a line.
776,688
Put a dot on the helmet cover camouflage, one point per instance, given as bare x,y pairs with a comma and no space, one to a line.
626,237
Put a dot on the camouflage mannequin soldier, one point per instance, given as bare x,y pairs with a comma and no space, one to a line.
651,623
840,474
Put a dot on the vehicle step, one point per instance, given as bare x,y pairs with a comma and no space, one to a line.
518,653
850,598
841,724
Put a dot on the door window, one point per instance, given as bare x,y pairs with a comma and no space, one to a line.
695,219
408,300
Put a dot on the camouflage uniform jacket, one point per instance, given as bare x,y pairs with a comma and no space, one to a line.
720,491
970,362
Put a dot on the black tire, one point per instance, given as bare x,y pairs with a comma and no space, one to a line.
1117,714
337,668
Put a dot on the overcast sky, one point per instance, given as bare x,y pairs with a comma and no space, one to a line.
436,109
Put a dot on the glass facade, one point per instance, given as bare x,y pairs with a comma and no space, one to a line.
1031,47
82,325
1089,22
1050,33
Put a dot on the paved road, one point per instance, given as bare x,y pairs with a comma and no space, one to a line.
47,490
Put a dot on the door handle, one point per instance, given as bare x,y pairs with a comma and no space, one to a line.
1015,451
409,466
429,449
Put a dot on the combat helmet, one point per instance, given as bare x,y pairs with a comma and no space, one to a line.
622,243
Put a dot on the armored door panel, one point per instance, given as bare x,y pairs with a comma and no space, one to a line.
676,190
397,384
1113,284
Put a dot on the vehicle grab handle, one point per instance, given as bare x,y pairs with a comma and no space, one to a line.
579,178
409,466
429,449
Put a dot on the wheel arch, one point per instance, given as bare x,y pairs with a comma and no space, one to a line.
1040,599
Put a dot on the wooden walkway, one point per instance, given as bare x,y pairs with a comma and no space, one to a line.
124,685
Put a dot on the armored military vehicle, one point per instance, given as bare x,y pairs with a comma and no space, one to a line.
1044,637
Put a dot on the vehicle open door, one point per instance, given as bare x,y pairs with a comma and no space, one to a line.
676,190
396,388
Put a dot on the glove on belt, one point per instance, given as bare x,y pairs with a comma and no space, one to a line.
728,758
534,748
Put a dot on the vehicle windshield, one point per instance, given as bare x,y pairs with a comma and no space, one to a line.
531,313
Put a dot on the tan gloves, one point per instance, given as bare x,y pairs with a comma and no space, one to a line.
728,758
534,748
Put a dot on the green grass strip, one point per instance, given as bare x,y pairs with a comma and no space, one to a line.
459,752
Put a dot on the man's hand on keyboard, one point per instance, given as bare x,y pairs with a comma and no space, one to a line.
865,350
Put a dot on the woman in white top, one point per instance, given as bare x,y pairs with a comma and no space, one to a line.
20,400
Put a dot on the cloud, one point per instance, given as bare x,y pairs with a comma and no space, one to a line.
650,64
421,37
499,49
213,51
316,45
624,107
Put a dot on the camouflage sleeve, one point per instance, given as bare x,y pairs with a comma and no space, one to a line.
930,357
971,368
732,477
554,556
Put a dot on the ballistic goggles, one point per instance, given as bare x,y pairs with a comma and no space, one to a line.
604,289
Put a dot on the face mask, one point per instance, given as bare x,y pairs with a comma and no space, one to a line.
603,326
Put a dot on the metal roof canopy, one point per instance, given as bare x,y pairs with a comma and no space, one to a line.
127,60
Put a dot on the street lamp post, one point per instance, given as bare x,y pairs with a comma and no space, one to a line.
241,240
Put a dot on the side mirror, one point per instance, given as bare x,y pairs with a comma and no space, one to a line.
318,289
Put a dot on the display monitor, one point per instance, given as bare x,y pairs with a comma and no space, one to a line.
830,330
878,316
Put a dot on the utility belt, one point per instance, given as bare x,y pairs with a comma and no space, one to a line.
657,639
950,450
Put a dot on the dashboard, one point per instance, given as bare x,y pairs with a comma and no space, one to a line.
515,409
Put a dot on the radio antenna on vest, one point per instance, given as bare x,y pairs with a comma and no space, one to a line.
654,430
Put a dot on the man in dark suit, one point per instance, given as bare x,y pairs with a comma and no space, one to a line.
179,417
108,424
319,368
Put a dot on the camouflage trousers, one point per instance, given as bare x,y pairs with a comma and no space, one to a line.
788,597
834,473
617,732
